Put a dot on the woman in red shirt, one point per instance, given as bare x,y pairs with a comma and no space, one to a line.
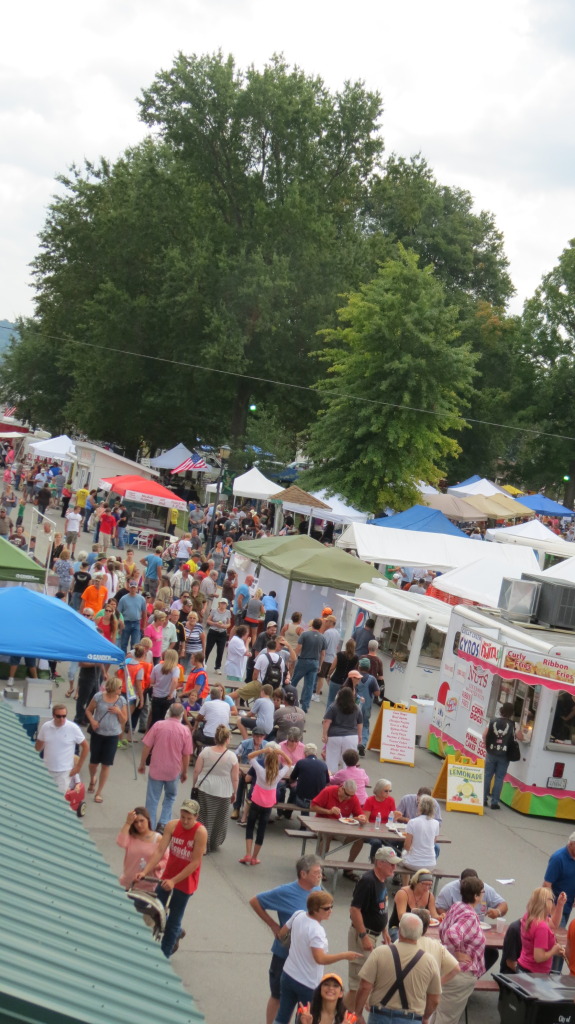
186,840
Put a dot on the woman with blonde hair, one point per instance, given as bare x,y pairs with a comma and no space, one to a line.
263,796
416,895
106,713
164,679
216,777
155,631
538,926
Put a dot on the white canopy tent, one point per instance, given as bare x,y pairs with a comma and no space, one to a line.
61,447
338,511
172,458
484,486
424,488
400,604
432,550
564,571
480,581
254,484
533,535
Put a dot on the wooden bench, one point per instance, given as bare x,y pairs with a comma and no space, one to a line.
304,834
483,985
339,866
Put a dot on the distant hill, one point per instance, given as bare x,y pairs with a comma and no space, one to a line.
7,330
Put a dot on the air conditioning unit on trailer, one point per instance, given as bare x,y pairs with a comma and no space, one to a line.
518,599
556,606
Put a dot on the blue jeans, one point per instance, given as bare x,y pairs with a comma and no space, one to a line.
121,537
332,692
76,601
389,1017
306,669
292,992
153,794
131,634
366,712
496,769
176,911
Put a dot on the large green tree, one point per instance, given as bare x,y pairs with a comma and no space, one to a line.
397,379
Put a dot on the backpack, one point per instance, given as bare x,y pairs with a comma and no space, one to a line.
274,672
500,735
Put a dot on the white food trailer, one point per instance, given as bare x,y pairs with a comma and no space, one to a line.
490,659
410,629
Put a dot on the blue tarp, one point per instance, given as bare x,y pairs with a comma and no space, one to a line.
544,506
39,626
422,519
470,480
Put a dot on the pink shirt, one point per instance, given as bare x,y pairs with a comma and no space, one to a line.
358,775
156,635
295,755
460,931
263,794
169,741
137,850
539,935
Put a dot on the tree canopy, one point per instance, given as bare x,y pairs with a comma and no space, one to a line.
397,380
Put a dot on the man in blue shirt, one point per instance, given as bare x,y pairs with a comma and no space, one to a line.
132,607
367,689
153,572
560,875
285,900
241,598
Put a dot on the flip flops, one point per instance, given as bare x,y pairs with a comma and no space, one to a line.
246,860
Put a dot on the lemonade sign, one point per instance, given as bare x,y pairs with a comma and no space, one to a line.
464,785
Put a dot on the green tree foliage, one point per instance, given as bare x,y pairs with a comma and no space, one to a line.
545,391
395,352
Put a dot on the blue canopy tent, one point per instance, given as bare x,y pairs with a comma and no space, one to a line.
422,519
40,626
543,506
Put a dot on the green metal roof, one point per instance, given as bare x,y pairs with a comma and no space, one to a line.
72,947
17,567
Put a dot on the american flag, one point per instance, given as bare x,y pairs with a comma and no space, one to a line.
9,410
192,462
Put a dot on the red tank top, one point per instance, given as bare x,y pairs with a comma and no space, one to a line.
181,851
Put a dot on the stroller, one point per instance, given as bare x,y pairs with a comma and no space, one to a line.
76,796
152,909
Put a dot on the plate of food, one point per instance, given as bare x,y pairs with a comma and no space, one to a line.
349,821
433,923
485,925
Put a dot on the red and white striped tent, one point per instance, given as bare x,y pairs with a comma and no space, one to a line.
137,488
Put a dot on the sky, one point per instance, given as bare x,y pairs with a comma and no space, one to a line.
483,90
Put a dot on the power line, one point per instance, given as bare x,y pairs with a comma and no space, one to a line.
290,384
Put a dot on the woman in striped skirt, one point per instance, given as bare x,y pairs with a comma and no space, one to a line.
216,774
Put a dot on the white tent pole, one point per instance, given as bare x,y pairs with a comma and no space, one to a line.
130,733
286,602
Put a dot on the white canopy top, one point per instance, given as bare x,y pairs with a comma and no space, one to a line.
564,571
172,458
338,512
400,604
481,580
433,550
424,488
61,447
533,535
483,486
254,484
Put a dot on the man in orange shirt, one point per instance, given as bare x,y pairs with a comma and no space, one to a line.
94,595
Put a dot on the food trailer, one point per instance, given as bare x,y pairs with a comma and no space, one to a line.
410,629
490,660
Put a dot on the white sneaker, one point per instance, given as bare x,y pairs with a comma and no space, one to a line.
218,671
316,697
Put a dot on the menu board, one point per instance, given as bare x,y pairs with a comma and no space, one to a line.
464,785
398,734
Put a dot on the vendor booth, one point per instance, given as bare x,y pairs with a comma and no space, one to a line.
145,498
172,458
410,630
499,506
480,582
488,661
338,511
457,509
306,577
543,506
61,448
18,567
255,485
422,519
536,535
40,626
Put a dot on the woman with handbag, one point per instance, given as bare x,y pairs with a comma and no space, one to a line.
216,777
106,713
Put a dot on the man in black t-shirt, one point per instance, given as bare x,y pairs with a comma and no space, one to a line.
82,579
368,911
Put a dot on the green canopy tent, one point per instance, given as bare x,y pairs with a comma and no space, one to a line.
267,547
317,571
17,567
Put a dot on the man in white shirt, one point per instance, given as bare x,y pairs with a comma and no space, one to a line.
209,588
58,739
74,520
332,637
268,657
181,581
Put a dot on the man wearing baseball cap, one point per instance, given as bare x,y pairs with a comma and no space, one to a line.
368,913
186,840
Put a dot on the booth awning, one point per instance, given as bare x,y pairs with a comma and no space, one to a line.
455,508
296,499
39,626
137,488
313,563
254,484
498,506
338,510
543,506
422,519
18,567
169,460
61,447
535,535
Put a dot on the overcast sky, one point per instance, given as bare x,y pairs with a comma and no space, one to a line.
484,90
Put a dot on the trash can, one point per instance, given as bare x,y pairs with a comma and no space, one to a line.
536,998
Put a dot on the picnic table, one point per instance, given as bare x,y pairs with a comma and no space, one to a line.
333,828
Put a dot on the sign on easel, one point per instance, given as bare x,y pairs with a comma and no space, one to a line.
463,784
398,734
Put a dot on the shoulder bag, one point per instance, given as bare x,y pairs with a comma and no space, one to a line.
196,789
